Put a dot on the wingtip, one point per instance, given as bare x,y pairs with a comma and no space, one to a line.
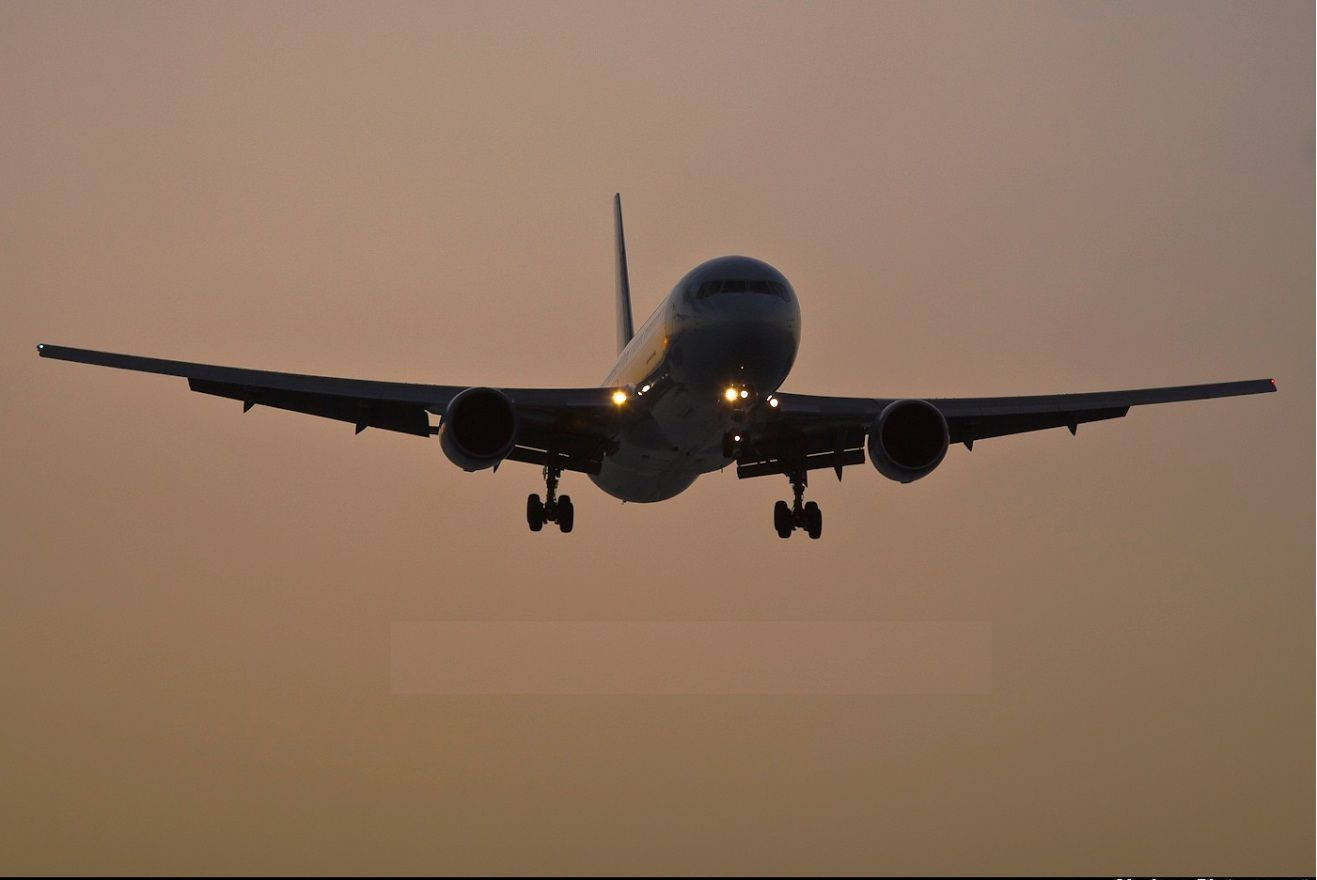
41,348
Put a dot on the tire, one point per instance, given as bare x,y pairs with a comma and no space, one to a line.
534,513
813,520
566,513
782,519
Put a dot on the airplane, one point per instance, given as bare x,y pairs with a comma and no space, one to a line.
693,390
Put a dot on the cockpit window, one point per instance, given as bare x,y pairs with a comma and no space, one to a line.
736,285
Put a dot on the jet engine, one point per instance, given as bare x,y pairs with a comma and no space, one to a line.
908,439
479,428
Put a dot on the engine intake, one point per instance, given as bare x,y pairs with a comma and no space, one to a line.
479,428
908,439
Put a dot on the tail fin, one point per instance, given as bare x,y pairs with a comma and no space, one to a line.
624,331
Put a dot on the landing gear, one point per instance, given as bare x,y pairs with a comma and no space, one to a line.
566,513
813,520
552,508
797,515
782,520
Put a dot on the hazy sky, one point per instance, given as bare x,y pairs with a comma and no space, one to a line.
968,198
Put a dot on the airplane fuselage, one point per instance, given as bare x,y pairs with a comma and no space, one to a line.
730,323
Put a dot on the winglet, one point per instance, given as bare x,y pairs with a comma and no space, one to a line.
624,331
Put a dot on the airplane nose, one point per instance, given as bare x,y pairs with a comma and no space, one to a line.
752,347
760,353
737,323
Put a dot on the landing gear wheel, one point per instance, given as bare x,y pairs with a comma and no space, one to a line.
813,520
534,513
552,508
782,519
566,513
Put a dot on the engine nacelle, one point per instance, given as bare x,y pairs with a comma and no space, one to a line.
908,439
479,428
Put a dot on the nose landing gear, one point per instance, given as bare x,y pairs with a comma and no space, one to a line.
552,508
797,515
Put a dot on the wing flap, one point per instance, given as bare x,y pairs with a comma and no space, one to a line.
389,415
967,429
813,462
560,460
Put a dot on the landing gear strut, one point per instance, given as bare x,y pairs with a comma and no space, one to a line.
552,508
797,515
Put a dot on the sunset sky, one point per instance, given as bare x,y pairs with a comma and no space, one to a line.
200,607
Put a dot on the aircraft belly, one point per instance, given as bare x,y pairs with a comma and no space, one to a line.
662,453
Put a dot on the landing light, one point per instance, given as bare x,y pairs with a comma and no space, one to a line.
619,397
744,394
644,389
730,395
772,401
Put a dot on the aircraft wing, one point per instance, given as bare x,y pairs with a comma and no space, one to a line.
831,431
576,422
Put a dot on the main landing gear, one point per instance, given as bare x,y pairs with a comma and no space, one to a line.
552,508
807,516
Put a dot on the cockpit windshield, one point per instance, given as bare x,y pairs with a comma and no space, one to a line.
735,285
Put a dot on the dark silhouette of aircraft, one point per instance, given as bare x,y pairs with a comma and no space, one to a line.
695,389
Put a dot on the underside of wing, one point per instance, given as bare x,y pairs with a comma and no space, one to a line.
572,426
804,432
977,418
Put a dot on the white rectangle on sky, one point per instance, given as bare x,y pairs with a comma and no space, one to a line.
691,657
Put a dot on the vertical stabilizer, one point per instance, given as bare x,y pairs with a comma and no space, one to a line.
624,331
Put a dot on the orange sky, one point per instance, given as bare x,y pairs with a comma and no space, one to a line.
968,198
